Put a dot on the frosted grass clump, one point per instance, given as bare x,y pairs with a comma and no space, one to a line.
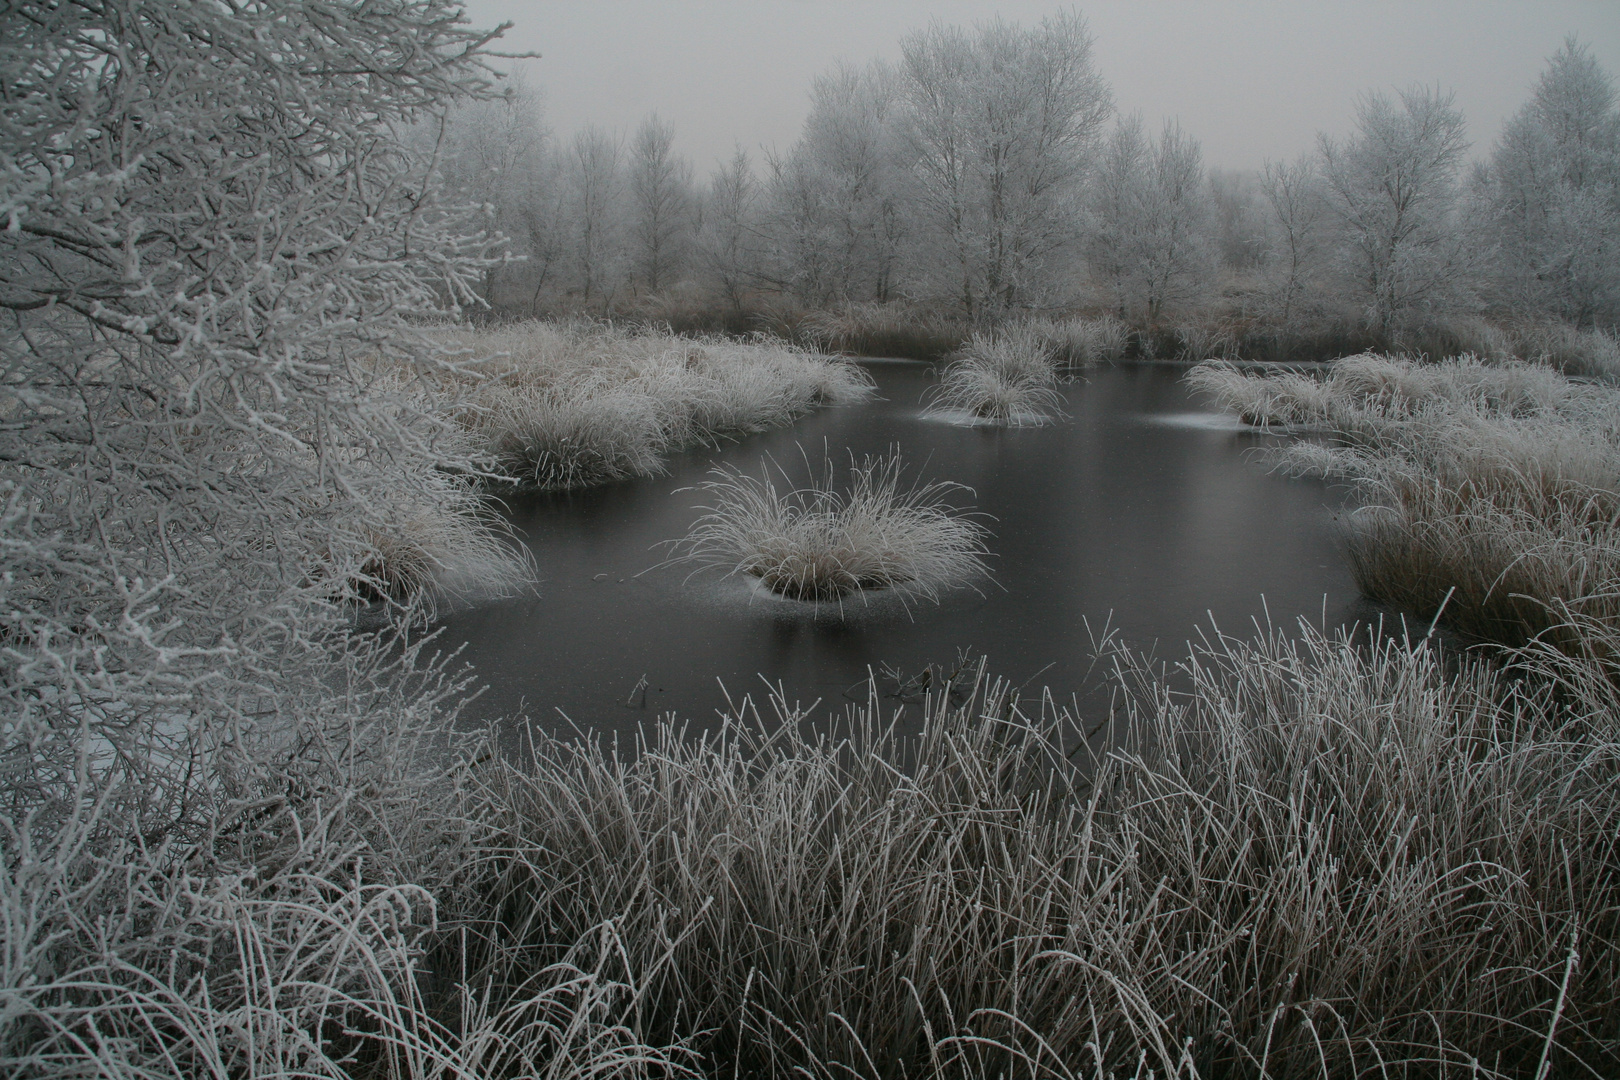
1005,379
576,405
819,543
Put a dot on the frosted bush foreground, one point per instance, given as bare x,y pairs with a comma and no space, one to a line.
1490,492
574,405
818,542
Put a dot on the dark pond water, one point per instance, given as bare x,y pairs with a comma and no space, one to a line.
1141,508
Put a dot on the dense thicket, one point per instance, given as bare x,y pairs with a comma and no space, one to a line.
975,176
209,445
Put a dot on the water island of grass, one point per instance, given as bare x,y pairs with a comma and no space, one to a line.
823,541
1006,379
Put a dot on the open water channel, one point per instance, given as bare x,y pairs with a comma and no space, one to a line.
1141,509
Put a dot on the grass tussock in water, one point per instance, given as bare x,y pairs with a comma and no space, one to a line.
1490,493
569,406
1321,858
1004,378
823,542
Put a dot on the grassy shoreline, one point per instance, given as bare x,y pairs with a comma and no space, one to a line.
1490,493
567,406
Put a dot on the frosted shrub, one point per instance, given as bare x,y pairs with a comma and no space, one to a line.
820,542
214,245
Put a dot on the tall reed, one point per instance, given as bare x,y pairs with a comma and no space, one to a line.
1322,857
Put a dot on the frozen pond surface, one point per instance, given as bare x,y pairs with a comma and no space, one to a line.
1140,505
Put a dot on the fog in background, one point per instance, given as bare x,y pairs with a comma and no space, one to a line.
1251,80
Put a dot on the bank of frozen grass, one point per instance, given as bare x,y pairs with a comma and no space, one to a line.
1490,492
438,542
824,542
1296,857
1319,858
575,405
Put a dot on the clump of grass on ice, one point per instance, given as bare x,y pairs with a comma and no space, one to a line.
820,542
569,406
1005,378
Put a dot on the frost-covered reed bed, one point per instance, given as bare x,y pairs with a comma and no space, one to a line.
1369,391
1491,493
573,405
1321,858
822,541
1005,378
894,330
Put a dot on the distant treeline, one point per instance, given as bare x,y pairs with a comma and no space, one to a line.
988,173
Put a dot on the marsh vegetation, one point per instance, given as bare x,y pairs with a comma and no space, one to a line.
245,832
560,407
1488,491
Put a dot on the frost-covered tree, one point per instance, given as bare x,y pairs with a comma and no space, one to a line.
661,205
1294,199
726,242
494,155
1238,219
836,220
1002,124
213,245
1151,239
1391,188
1553,193
595,211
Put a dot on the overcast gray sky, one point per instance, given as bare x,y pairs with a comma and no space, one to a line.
1253,80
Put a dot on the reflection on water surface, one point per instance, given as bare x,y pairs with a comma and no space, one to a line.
1139,506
